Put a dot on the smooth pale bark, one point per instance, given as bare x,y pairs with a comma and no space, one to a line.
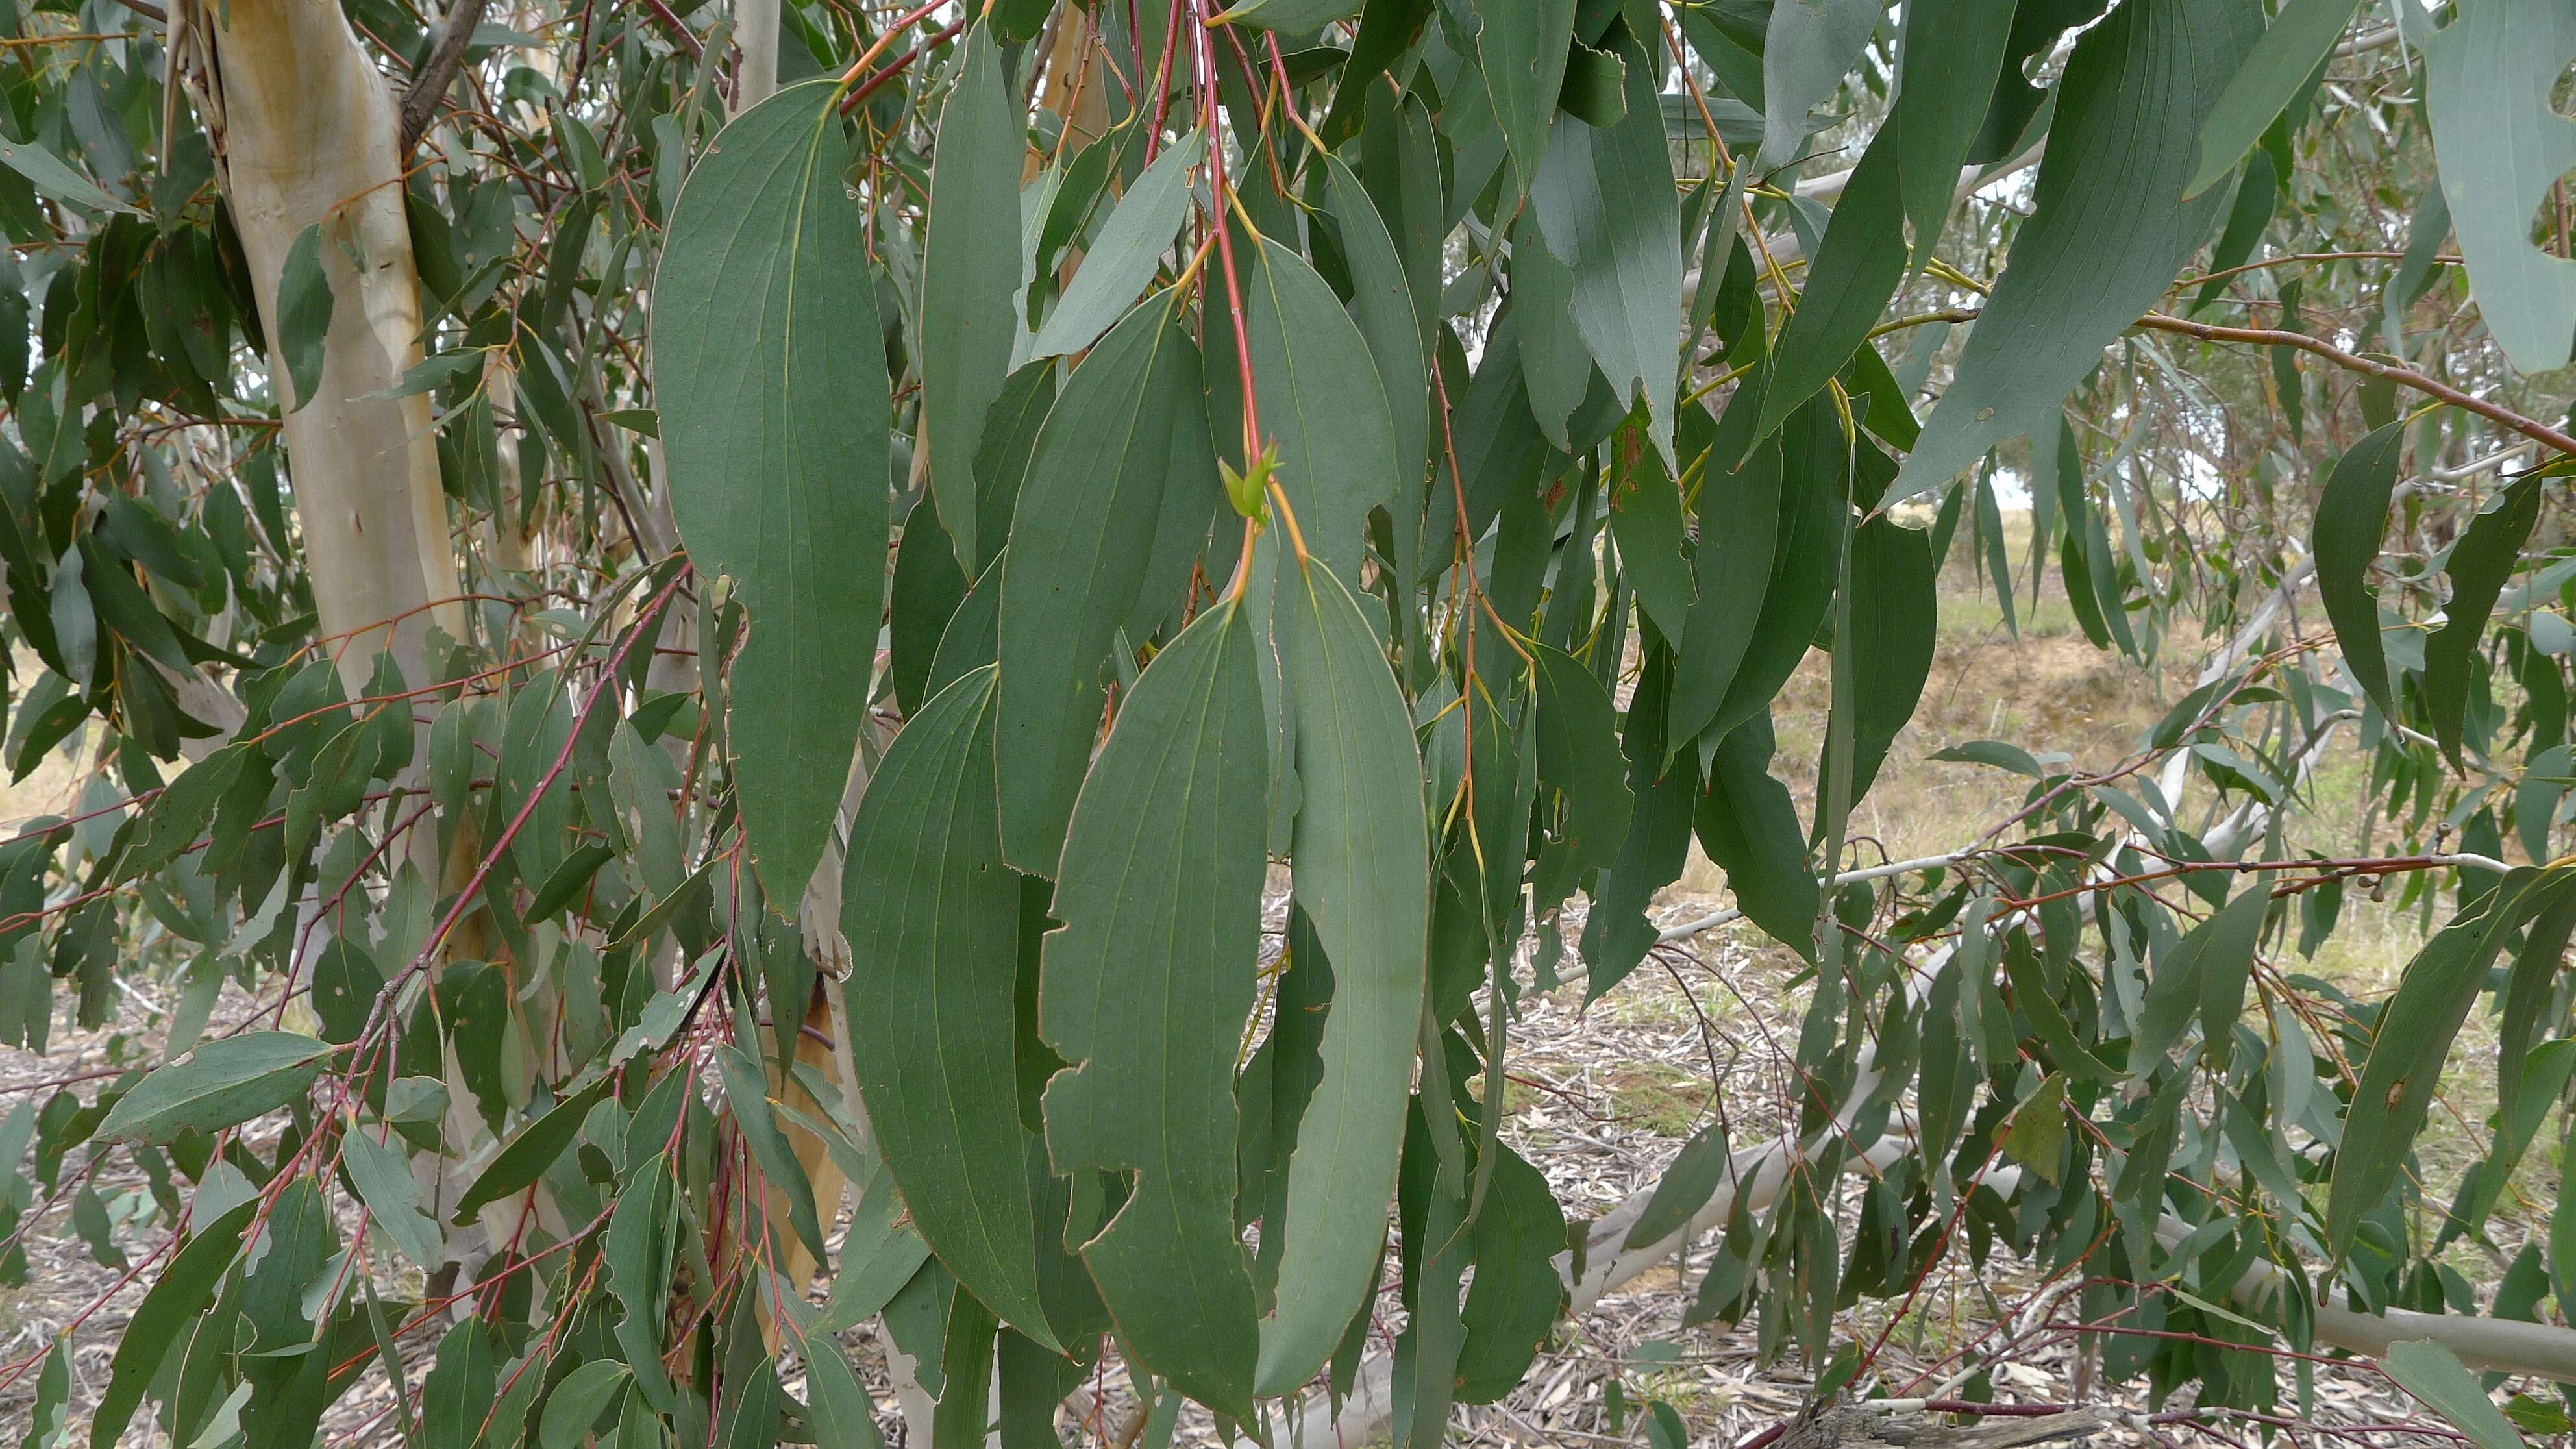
306,127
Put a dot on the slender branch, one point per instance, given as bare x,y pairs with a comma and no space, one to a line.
2354,362
430,82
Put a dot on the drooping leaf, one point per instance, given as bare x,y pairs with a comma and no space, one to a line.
1322,404
1806,48
527,1153
1522,56
1686,1186
1605,201
1517,1294
1146,990
382,1174
1953,52
970,268
2485,557
2212,958
932,918
1857,268
2435,1375
2416,1028
223,1083
184,1289
1122,258
1748,825
771,379
2352,518
1382,304
1075,568
1361,852
303,313
2488,81
2108,229
2298,40
1894,612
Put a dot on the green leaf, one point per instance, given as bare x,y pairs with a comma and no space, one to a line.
1075,569
1322,405
1121,260
382,1175
1578,754
185,1288
1806,48
57,178
1894,618
1517,1294
1749,826
746,1093
1646,524
2035,1135
1521,52
2352,519
577,1402
183,809
928,587
970,268
1382,303
638,1255
2196,972
532,1149
222,1084
770,376
1288,17
1857,268
2482,561
840,1412
2107,232
2298,41
1953,53
2436,1376
1361,854
932,918
303,313
1686,1186
1161,902
2489,76
1605,201
2416,1028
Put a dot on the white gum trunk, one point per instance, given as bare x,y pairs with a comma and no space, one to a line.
306,129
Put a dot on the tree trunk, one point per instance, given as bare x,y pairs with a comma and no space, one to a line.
304,127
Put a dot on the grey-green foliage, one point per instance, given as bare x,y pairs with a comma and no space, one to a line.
1422,542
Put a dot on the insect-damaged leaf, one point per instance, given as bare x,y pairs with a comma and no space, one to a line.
1361,851
2415,1032
2108,229
770,375
1522,59
2488,78
1749,827
932,918
970,268
222,1084
2352,519
1146,990
1080,541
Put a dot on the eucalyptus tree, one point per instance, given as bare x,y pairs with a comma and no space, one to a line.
741,672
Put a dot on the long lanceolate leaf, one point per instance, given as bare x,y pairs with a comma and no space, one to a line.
2352,518
2109,228
1080,539
1362,863
772,383
970,268
1145,991
932,918
2416,1029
